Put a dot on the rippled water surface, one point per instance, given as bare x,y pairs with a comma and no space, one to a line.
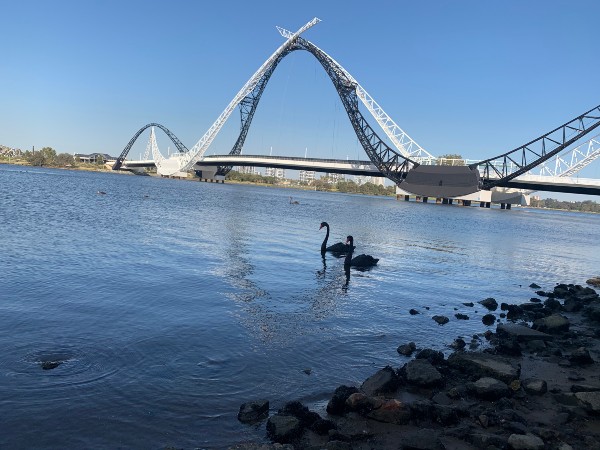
166,304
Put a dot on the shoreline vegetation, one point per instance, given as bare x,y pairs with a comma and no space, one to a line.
531,384
47,157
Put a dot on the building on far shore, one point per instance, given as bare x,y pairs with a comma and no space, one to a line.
307,176
247,169
93,157
274,172
335,177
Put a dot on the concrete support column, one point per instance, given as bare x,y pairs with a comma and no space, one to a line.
508,206
502,205
407,198
425,199
450,200
482,204
444,201
488,204
466,202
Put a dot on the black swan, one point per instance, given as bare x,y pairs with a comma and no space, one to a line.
360,261
339,248
294,202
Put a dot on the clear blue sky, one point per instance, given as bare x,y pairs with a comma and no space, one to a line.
472,77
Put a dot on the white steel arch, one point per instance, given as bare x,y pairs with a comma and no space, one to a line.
184,162
572,161
401,140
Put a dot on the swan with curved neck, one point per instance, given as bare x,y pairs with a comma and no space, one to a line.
338,248
361,261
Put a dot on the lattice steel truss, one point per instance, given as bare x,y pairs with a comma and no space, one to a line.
500,169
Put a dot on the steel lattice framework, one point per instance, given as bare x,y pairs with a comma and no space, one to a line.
579,157
500,169
180,147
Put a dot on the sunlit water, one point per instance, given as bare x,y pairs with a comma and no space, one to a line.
170,303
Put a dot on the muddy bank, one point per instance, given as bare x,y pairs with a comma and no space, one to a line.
534,383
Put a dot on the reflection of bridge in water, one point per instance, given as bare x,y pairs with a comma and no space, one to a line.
506,178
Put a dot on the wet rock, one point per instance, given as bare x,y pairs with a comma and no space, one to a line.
487,441
508,346
469,304
458,344
489,389
488,319
306,417
322,426
525,442
535,300
541,293
485,365
594,281
433,356
591,400
490,303
407,349
584,388
422,373
534,286
522,333
581,356
49,365
392,411
362,403
553,304
338,445
441,320
337,404
514,312
283,428
536,346
552,324
255,411
413,312
460,316
383,381
425,439
593,312
535,386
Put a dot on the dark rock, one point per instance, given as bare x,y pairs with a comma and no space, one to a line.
584,388
392,411
283,428
306,417
535,386
521,333
541,293
485,365
536,345
488,319
458,344
552,324
469,304
572,305
553,304
508,346
525,442
407,349
253,411
338,445
504,306
425,439
433,356
337,404
383,381
535,300
362,403
581,356
514,312
413,312
534,286
422,373
490,303
49,365
460,316
489,389
515,427
441,320
593,312
487,441
591,401
322,426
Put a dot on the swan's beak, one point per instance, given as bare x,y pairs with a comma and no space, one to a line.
320,227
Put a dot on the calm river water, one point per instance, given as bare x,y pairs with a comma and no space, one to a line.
170,303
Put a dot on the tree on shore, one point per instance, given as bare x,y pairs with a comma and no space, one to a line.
451,159
44,157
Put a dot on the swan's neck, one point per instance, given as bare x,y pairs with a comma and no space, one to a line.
324,244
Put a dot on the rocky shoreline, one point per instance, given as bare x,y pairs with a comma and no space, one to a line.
535,385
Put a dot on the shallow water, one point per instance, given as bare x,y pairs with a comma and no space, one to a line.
170,303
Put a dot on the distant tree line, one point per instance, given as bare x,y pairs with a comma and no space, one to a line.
324,184
585,206
47,157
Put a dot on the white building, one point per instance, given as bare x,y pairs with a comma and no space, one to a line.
274,172
378,181
361,179
307,176
335,177
247,169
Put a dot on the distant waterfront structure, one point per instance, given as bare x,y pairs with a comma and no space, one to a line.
248,170
307,176
274,172
93,157
378,181
335,177
361,179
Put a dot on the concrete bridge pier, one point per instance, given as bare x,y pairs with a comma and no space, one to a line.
425,199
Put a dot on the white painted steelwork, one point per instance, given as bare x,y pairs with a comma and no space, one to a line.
401,140
187,160
572,161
